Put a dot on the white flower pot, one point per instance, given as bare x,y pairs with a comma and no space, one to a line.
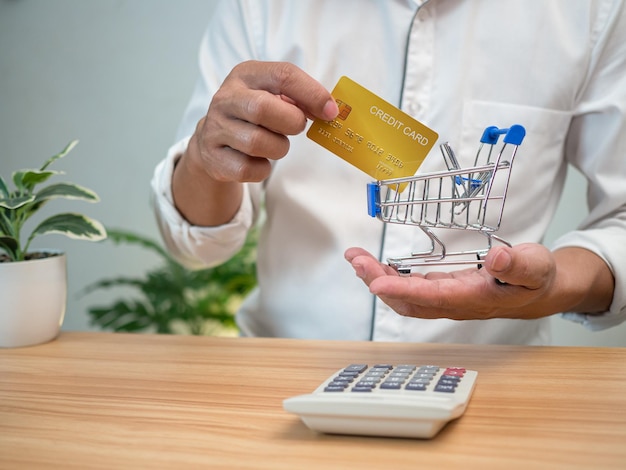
33,297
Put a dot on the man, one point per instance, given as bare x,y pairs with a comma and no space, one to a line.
557,68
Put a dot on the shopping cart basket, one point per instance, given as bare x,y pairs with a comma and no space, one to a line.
459,199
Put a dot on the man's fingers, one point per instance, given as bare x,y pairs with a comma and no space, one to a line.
366,266
252,140
528,265
288,80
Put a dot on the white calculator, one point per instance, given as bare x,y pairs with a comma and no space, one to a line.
403,400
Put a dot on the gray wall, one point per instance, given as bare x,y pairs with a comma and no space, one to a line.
116,74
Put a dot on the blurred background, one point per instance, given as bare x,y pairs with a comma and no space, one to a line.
117,74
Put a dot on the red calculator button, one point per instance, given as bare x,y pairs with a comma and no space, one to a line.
454,371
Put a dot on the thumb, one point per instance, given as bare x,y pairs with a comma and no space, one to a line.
528,265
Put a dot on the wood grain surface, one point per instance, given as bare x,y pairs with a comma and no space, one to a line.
102,400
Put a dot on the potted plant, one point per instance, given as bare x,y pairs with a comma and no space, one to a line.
33,284
173,299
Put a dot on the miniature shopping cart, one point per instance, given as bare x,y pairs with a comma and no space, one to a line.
458,199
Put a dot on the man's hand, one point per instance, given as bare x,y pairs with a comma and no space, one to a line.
534,282
256,108
246,127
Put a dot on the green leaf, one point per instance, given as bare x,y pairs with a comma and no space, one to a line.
13,203
26,180
130,316
68,148
108,283
199,300
10,246
74,226
6,227
4,190
122,236
67,191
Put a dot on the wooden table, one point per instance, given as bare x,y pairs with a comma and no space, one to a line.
99,400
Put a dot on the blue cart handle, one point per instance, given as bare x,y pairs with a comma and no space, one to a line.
373,199
513,135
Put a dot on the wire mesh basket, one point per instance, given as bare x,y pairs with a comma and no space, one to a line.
455,199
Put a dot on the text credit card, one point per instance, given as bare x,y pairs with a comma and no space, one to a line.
372,134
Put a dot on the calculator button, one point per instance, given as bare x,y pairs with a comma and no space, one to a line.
339,383
340,378
376,373
348,373
416,386
454,371
395,379
373,380
391,385
421,380
358,368
423,376
366,383
400,374
449,381
334,388
445,388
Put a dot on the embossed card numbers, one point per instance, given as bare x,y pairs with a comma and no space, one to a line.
372,134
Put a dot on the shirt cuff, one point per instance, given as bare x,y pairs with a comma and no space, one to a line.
196,246
603,243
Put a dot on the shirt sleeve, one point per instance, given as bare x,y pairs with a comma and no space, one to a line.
596,146
196,247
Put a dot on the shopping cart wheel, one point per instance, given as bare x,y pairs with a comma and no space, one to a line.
404,271
480,257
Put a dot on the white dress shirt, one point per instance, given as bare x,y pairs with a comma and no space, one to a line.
557,68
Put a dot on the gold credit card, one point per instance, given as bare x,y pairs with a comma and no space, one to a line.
372,134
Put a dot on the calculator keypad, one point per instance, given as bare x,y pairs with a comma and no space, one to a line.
360,378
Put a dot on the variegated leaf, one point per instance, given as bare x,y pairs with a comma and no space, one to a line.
67,191
16,202
26,180
72,225
61,154
9,245
4,190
